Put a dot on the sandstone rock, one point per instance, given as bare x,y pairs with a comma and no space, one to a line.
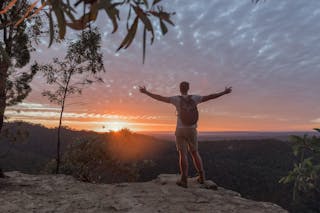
60,193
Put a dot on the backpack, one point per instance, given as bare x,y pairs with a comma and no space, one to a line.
189,114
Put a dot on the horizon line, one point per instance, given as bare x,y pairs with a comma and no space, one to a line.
170,131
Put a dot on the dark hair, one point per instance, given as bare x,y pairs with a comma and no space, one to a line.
184,87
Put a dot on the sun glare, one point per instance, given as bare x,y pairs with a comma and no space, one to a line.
113,126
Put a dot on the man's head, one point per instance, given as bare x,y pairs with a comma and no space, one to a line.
184,87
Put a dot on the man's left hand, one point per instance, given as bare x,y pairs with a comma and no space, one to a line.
142,89
228,90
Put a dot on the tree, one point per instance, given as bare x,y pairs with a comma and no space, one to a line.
79,67
305,175
15,48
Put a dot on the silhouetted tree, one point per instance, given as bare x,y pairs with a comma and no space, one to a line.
79,67
15,48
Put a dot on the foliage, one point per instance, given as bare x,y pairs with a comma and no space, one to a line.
91,160
18,88
305,174
82,62
64,14
13,135
15,48
95,159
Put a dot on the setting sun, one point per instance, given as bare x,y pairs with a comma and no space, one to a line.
114,126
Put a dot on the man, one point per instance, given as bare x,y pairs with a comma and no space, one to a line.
186,129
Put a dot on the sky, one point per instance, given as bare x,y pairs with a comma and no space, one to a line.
267,52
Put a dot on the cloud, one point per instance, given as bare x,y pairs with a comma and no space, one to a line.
39,111
268,52
32,106
317,120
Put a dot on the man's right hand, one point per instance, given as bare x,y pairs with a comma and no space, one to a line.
143,89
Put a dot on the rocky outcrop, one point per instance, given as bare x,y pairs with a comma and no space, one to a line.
59,193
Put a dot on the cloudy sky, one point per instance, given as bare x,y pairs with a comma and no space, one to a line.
269,53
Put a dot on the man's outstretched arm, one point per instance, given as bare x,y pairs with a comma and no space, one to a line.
154,96
217,95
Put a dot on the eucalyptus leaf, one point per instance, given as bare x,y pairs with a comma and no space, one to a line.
146,3
144,44
132,31
61,21
82,23
51,28
143,17
112,12
130,35
155,2
164,28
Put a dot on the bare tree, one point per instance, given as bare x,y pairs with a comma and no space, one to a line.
79,67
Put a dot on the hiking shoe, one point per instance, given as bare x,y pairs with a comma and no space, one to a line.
200,179
182,183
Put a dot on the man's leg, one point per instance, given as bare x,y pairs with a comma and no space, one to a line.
183,163
193,149
197,161
183,157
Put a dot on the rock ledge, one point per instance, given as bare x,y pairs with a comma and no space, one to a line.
60,193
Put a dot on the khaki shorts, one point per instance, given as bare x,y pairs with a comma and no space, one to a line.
186,138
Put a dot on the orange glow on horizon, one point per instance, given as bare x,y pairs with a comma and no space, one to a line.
115,126
152,119
219,124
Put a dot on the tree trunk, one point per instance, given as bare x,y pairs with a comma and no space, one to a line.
3,80
2,174
59,141
60,122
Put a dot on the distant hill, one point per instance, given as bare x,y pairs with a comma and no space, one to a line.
31,153
232,135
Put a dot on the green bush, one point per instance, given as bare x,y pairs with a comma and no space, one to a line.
305,175
108,159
